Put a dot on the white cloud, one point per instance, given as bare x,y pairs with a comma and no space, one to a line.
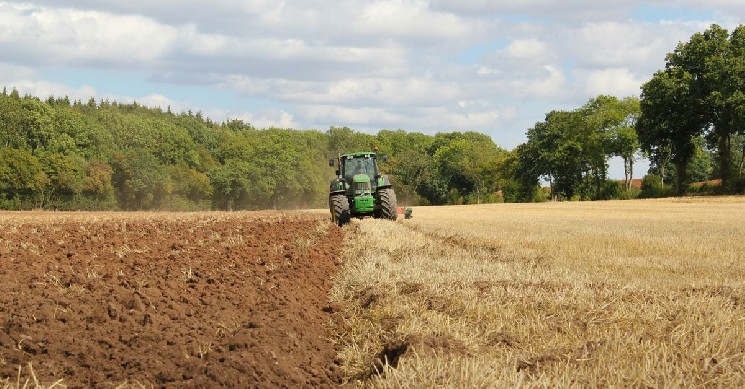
552,83
409,91
526,49
616,44
10,72
426,119
562,10
347,116
470,120
409,18
59,36
614,82
203,44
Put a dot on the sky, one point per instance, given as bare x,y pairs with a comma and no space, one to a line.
429,66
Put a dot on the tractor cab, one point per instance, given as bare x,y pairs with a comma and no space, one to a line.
357,172
353,165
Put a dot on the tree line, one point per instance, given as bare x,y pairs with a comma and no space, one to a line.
62,154
73,155
101,155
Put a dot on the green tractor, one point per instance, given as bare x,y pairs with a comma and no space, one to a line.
360,190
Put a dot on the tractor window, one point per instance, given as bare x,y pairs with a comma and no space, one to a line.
359,165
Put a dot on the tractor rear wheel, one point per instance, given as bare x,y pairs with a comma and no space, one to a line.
339,209
387,203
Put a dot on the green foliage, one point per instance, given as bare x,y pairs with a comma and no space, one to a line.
141,182
412,166
344,140
527,171
701,91
501,174
449,168
189,184
64,178
612,189
669,121
700,167
705,188
651,186
98,189
231,183
570,149
22,179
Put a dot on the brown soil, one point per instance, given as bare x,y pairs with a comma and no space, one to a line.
168,300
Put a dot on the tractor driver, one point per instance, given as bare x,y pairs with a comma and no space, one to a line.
360,168
353,169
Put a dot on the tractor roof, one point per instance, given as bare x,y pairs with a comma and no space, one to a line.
359,154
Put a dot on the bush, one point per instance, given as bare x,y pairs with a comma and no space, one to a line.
611,190
705,188
511,192
542,195
10,204
633,193
651,186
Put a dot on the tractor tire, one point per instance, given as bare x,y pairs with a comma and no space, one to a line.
339,209
388,207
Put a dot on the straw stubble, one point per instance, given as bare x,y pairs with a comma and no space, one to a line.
632,293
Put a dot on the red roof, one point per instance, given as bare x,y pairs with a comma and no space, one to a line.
635,183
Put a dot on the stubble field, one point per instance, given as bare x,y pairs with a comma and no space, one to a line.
630,294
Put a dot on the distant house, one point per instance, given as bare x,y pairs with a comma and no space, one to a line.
636,183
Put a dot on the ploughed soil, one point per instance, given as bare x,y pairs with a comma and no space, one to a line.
168,300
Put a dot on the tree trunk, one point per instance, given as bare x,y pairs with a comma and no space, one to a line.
599,181
725,159
682,172
626,182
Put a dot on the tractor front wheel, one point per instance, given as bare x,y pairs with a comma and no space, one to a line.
339,209
387,203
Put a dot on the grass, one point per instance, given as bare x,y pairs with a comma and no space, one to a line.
631,293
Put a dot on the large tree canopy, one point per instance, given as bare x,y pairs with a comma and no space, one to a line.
701,91
570,149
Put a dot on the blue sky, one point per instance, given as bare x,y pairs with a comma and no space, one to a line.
495,67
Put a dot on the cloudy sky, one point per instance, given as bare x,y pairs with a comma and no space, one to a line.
486,65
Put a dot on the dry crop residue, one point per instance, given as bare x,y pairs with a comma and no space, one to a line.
203,299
